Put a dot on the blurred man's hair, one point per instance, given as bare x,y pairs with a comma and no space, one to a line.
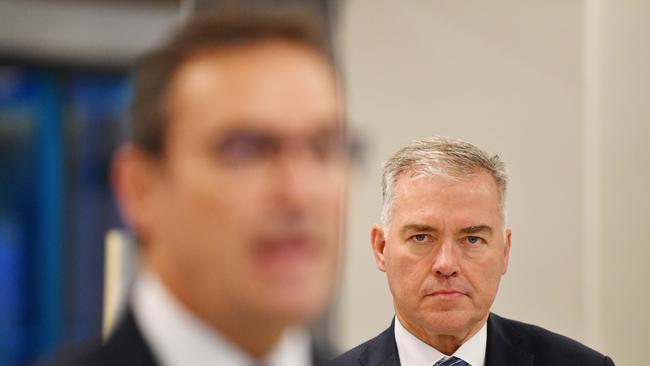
440,157
226,28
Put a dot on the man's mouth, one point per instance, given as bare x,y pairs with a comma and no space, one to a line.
287,251
447,294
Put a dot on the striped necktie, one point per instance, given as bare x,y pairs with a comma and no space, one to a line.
453,361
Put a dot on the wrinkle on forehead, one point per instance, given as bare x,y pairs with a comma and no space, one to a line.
452,196
404,182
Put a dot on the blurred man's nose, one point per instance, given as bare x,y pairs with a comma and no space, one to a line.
445,262
302,175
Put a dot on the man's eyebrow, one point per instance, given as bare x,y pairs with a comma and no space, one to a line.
476,229
419,227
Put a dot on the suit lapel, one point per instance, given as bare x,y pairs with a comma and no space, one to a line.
319,357
502,346
382,350
127,345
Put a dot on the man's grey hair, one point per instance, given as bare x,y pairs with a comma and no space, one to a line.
440,157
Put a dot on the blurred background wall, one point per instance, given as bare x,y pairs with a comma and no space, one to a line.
64,93
560,90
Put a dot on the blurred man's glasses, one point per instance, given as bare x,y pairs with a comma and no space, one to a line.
248,149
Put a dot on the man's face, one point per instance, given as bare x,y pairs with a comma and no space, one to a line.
247,201
444,253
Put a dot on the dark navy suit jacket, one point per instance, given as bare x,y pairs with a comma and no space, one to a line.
509,343
127,346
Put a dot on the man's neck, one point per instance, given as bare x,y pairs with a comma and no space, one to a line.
256,337
253,334
448,344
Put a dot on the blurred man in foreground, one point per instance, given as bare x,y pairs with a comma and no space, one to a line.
234,183
444,246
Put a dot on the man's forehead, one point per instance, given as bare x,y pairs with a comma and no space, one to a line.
429,196
284,100
470,226
263,55
412,182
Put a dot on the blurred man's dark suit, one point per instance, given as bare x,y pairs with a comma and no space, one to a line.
127,346
509,343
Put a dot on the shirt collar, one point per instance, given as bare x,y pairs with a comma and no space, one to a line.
177,337
473,350
414,352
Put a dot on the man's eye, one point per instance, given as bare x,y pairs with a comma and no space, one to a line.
420,238
328,146
241,148
474,240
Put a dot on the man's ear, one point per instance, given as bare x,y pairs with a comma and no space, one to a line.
133,176
506,248
378,242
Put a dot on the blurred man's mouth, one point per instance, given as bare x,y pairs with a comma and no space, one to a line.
286,254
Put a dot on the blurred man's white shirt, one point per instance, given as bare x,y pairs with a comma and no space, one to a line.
414,352
178,338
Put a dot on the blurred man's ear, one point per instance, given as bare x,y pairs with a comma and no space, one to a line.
134,176
378,241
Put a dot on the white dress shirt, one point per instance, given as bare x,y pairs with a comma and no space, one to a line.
178,338
414,352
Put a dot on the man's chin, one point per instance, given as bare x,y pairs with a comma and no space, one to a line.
292,314
449,322
294,306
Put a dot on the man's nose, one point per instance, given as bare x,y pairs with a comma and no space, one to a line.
300,174
445,263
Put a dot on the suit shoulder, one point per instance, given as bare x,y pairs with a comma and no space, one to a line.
126,346
352,356
541,341
375,351
108,354
92,353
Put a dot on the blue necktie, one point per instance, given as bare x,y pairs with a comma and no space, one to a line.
453,361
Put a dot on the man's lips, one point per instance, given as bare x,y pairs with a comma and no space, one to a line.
288,250
447,294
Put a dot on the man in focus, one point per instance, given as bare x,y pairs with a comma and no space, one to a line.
444,246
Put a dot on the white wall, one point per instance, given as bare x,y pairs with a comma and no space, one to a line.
515,78
625,176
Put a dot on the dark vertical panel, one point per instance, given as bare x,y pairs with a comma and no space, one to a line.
97,108
18,127
48,251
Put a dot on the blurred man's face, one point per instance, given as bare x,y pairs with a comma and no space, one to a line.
249,194
444,253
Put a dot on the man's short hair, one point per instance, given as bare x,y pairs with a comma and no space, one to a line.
226,28
440,157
